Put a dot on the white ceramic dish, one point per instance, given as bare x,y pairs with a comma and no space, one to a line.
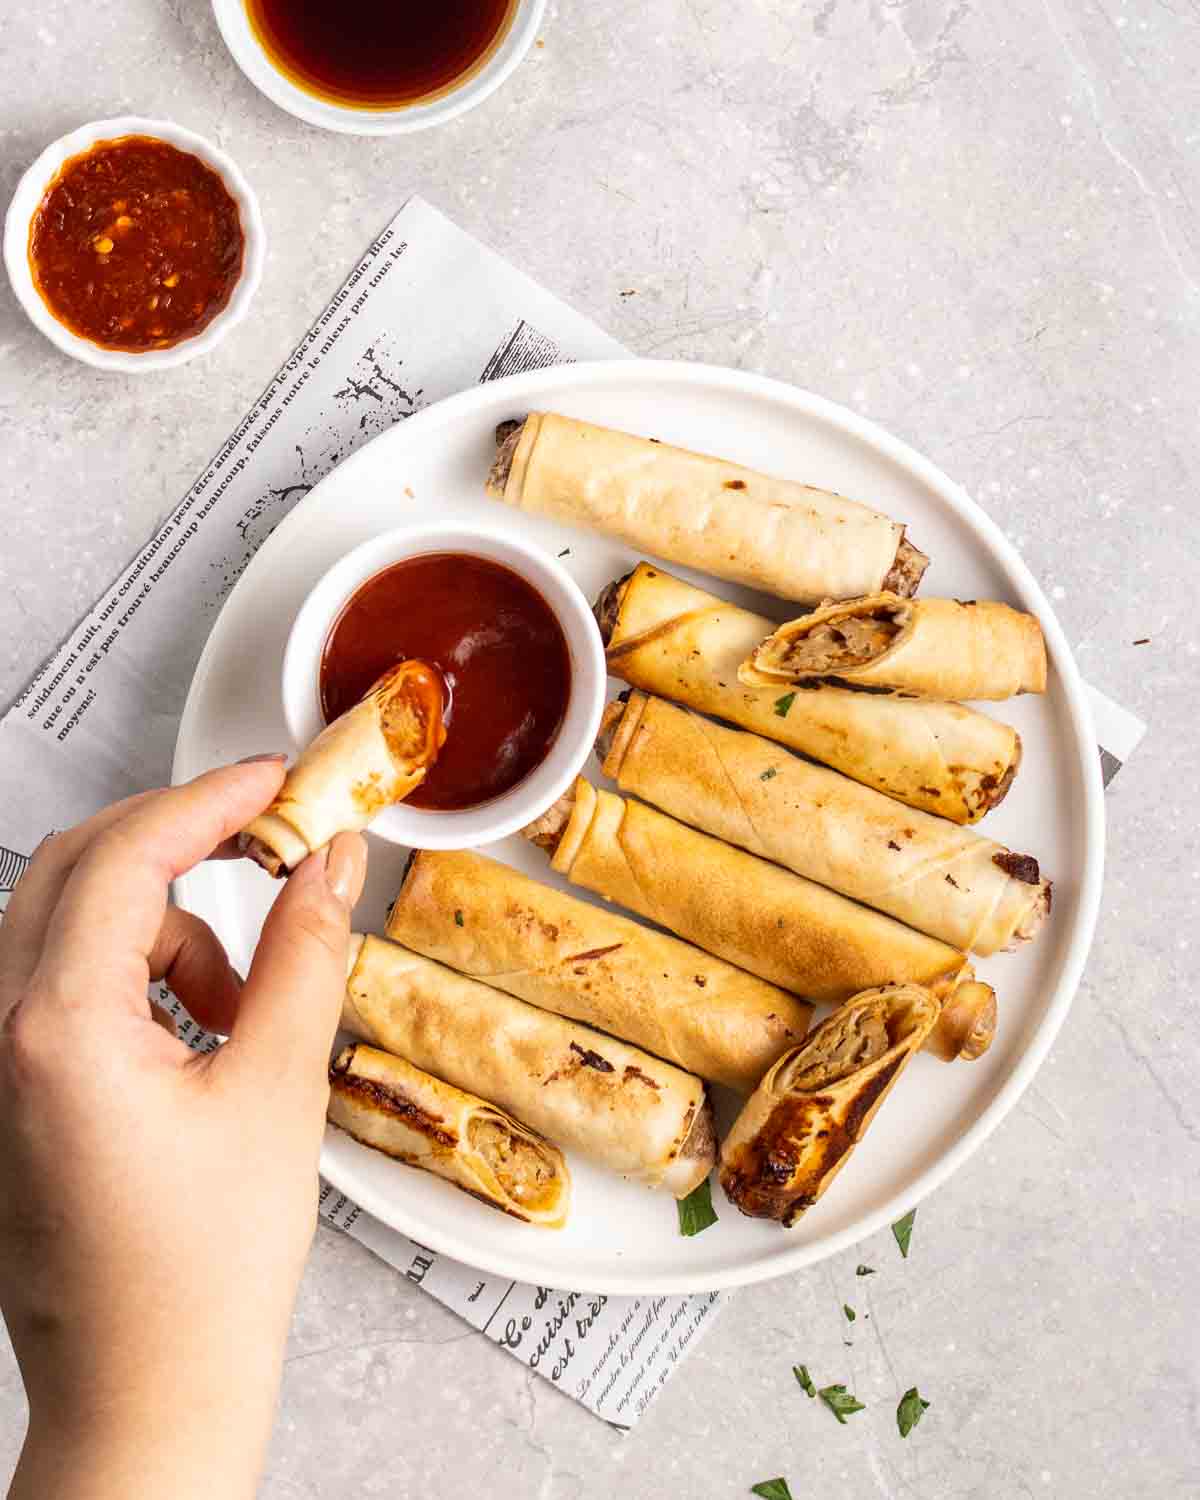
28,196
262,72
423,828
622,1238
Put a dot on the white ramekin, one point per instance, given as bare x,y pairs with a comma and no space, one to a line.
29,194
425,828
259,68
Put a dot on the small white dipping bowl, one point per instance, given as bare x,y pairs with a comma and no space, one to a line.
427,828
28,196
262,71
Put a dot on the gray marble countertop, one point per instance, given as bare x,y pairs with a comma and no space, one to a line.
975,224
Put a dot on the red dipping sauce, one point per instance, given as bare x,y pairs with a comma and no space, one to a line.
498,646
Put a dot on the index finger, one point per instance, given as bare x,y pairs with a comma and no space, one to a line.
107,919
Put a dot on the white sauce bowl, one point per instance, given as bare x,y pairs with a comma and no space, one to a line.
28,196
261,70
467,828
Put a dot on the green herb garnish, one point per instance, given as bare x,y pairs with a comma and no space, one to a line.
864,1270
768,773
910,1411
804,1379
849,1311
458,919
772,1489
783,704
840,1402
902,1229
696,1212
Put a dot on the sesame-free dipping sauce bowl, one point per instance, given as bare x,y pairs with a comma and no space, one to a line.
458,827
27,201
290,52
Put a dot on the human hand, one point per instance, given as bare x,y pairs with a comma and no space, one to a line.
156,1205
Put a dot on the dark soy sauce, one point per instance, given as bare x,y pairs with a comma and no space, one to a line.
382,54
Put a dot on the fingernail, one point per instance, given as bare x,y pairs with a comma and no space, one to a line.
253,760
346,867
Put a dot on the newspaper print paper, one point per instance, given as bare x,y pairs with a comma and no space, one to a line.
426,312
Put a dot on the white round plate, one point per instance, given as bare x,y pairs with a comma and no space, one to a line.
621,1238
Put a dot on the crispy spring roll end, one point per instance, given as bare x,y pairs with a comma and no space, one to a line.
273,843
907,571
966,1025
617,728
995,794
508,435
1040,909
608,606
547,830
697,1155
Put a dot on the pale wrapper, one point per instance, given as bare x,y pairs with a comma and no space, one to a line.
774,534
765,919
936,648
572,957
798,1129
942,879
666,637
386,1103
586,1092
374,755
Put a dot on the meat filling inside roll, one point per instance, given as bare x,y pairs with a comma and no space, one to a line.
935,648
798,1129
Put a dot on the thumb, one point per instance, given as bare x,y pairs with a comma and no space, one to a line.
292,999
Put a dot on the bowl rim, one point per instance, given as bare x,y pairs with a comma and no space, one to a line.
509,812
256,64
28,195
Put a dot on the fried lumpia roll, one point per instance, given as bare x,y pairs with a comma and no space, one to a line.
587,1092
386,1103
936,648
773,534
576,959
933,875
798,1128
966,1023
374,755
666,637
765,919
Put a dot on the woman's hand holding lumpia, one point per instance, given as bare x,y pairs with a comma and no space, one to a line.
156,1205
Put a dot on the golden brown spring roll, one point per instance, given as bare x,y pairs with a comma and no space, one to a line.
374,755
578,960
587,1092
966,1023
773,534
936,648
666,637
765,919
797,1130
386,1103
940,878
